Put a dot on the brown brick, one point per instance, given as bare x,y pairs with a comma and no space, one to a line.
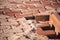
42,10
17,15
49,32
35,0
55,5
46,2
35,14
27,14
42,25
9,14
32,2
15,2
31,6
41,32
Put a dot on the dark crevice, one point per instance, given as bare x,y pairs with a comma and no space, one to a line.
59,14
48,28
30,18
26,36
54,36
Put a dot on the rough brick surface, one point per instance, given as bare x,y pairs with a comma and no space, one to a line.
18,29
30,5
19,9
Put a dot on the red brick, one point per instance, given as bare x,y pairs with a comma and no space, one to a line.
41,32
49,32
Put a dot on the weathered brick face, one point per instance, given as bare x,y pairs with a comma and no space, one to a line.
28,6
19,27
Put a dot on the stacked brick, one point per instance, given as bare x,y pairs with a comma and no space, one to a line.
18,29
29,7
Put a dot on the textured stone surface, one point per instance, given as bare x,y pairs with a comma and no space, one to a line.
22,8
10,7
18,29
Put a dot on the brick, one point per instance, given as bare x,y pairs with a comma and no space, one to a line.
54,0
46,2
28,14
49,8
19,1
16,2
12,19
35,14
5,23
35,0
9,14
29,11
14,23
3,17
4,27
42,10
31,6
58,10
39,31
22,6
32,2
16,32
6,9
55,5
42,18
13,37
17,15
3,20
25,0
48,32
42,25
26,11
36,7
